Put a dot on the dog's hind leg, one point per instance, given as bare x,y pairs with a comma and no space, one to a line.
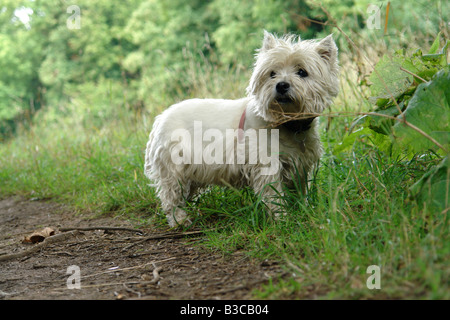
172,198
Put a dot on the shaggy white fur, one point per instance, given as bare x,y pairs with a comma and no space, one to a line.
199,142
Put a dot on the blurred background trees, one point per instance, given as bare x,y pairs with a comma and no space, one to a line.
142,54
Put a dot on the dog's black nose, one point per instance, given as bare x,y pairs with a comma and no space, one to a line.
282,87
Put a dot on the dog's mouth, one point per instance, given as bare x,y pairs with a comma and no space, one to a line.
284,100
283,104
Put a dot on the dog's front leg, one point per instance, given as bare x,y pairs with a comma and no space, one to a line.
271,191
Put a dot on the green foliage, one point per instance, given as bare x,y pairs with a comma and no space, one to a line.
428,110
406,18
146,46
398,92
162,33
432,189
399,75
355,215
20,55
90,96
241,22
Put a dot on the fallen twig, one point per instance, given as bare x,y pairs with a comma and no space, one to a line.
37,247
156,275
101,228
172,235
128,268
129,290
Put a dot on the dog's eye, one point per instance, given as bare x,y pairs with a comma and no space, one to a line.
272,74
302,73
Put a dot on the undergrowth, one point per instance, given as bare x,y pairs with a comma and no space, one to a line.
358,211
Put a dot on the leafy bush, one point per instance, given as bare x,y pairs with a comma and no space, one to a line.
412,111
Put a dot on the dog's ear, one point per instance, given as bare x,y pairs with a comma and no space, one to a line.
327,49
269,41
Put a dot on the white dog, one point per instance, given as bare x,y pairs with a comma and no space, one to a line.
262,141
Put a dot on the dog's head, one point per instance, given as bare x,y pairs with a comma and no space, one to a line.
294,78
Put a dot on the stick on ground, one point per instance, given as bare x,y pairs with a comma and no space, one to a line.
101,228
43,244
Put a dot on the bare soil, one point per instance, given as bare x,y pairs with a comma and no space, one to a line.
114,264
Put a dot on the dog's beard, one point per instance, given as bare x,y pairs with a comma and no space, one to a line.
291,113
285,107
296,104
286,104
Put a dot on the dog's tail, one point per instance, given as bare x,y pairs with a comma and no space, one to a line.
150,151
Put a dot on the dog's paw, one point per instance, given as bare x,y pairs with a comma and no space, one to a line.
178,218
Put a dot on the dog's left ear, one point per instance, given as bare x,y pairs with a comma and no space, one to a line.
269,41
327,49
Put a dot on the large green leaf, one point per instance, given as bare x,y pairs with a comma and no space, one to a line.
432,189
435,46
388,79
428,110
369,136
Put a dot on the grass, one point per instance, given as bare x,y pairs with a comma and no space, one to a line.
357,212
95,169
357,215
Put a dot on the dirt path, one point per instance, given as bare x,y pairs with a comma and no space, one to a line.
117,264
